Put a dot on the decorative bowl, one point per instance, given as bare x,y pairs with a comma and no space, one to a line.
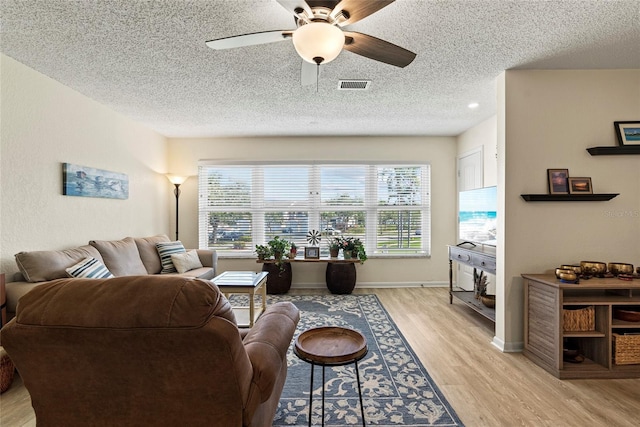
566,274
488,300
628,315
593,268
575,268
620,267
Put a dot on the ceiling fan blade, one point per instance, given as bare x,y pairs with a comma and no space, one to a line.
293,5
249,39
377,49
358,9
309,73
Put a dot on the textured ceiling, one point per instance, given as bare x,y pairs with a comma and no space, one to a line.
148,60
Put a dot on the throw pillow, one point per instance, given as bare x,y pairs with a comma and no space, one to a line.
165,250
89,268
186,261
120,256
40,266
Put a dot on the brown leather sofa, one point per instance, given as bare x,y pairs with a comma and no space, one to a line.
147,351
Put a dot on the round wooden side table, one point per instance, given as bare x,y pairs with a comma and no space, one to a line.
331,346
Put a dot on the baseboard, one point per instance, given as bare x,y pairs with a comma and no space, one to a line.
376,285
508,347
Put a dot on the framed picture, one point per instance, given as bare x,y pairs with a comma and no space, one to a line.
558,181
83,181
312,252
628,133
580,185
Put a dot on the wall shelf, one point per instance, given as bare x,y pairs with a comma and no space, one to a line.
613,150
568,197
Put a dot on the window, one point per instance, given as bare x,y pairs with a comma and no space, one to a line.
386,206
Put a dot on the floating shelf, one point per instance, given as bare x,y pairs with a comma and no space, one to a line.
568,197
613,150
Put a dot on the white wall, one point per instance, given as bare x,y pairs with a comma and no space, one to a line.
184,155
44,124
485,135
547,119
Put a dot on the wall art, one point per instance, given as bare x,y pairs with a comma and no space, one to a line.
580,185
628,133
558,181
83,181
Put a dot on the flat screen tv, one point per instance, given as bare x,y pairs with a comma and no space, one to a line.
477,215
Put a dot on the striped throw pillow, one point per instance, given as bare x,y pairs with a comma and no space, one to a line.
165,250
89,268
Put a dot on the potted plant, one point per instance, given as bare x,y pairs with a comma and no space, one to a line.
278,247
279,280
263,252
334,247
293,251
352,247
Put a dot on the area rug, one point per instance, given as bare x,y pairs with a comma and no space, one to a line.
396,388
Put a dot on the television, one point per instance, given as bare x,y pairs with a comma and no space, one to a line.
477,215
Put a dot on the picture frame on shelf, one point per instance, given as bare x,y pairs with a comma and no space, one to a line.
628,132
312,252
580,185
557,179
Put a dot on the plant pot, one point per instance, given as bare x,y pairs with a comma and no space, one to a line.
334,253
341,277
279,278
346,254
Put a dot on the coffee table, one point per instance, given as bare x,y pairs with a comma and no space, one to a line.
244,282
331,346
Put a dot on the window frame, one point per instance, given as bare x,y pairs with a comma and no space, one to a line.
371,207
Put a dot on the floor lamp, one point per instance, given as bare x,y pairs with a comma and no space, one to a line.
177,181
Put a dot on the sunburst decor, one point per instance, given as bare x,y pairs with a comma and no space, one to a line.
313,237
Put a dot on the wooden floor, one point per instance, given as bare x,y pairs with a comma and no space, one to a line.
484,386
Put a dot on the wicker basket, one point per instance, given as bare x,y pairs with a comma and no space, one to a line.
579,319
626,349
6,371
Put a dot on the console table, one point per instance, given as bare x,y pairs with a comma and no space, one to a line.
480,258
340,275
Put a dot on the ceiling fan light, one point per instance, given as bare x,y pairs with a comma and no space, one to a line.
318,42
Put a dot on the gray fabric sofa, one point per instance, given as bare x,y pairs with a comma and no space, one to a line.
126,257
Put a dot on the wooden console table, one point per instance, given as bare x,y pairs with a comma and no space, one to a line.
480,258
340,275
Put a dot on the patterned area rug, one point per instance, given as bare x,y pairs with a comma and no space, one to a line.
396,388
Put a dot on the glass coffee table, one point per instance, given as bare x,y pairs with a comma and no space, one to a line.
244,282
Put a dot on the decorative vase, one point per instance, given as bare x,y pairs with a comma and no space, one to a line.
346,254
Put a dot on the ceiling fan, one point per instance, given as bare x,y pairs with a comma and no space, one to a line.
319,39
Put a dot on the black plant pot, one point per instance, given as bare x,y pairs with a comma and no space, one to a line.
341,277
279,278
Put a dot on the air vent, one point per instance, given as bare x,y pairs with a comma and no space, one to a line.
354,84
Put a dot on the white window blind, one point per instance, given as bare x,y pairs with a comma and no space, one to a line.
386,206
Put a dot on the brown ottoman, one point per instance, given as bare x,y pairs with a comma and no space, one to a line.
6,371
